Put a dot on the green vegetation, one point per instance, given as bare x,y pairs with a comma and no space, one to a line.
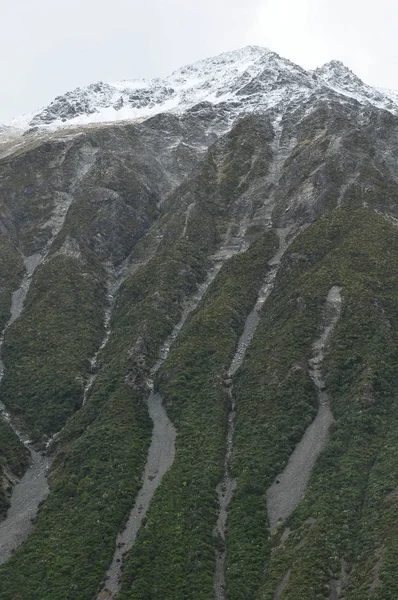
46,350
13,454
29,194
14,458
375,550
345,527
240,157
11,272
174,553
97,471
356,249
93,485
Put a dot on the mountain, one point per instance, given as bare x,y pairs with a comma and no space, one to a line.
245,81
198,299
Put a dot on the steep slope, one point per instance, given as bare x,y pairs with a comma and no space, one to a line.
322,538
181,267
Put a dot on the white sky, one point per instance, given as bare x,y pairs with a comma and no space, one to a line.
49,47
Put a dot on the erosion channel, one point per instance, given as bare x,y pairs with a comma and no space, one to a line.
289,486
162,447
32,488
227,485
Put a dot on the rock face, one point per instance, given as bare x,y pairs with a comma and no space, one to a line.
154,207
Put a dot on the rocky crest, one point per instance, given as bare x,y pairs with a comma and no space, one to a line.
245,80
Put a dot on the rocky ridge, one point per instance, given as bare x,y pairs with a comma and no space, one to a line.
247,80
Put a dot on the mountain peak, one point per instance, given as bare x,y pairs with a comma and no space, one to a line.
249,79
337,70
338,77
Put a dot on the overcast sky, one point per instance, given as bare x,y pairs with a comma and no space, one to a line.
49,47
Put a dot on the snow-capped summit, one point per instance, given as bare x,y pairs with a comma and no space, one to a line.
229,72
336,73
246,80
341,79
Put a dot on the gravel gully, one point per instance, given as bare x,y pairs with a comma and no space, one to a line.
290,485
32,488
227,485
162,448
